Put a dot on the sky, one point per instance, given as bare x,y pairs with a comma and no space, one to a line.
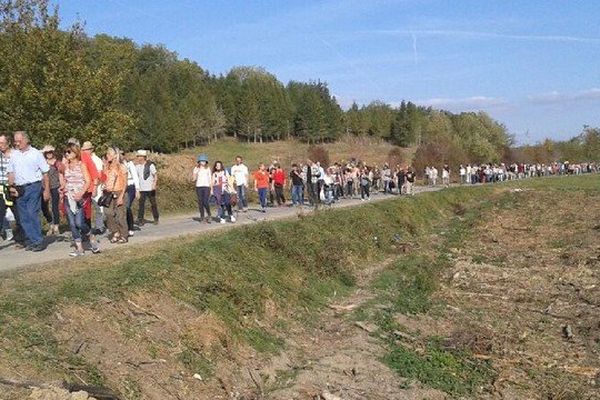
534,65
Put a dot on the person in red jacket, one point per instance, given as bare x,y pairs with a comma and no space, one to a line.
279,184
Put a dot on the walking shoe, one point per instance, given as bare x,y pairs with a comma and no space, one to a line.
232,219
207,220
76,253
95,248
131,233
38,247
155,222
222,220
9,235
245,209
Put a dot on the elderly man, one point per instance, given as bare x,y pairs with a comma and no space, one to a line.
148,178
26,171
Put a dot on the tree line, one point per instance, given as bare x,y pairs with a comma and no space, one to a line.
57,83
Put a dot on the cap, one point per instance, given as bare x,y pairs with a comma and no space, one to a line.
202,157
87,146
142,153
47,148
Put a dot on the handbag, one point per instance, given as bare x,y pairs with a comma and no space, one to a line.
107,197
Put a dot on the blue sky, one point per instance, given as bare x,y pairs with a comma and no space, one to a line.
532,64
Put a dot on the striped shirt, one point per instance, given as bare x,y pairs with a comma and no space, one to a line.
4,159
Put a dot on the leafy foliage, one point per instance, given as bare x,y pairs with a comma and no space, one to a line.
61,83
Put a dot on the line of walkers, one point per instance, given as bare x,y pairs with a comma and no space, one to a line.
308,184
93,193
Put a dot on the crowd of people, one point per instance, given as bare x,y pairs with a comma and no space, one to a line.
96,195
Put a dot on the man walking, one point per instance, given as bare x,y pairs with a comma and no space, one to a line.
148,177
26,171
240,172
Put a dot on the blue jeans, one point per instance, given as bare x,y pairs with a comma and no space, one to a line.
79,227
262,196
29,206
242,200
297,194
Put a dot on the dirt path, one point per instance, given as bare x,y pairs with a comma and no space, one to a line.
170,227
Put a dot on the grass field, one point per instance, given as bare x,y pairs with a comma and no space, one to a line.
220,303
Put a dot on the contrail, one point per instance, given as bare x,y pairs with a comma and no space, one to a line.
489,35
415,53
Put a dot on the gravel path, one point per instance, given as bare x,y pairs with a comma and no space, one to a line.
12,258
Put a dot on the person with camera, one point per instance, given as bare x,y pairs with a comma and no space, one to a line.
77,181
27,169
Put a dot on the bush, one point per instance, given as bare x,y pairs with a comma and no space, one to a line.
320,154
396,157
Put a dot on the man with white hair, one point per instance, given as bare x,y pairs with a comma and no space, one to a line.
26,171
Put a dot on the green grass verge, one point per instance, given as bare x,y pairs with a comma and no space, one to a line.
406,287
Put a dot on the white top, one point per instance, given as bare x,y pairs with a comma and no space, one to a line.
445,174
132,175
146,185
28,166
240,173
202,176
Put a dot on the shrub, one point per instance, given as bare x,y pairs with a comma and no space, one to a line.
320,154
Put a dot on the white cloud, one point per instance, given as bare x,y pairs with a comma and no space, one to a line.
464,103
563,97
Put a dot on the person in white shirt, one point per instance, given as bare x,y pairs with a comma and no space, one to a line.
446,176
148,177
133,192
463,174
202,175
27,169
240,174
433,176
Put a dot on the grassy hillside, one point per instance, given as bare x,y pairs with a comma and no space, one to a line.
177,193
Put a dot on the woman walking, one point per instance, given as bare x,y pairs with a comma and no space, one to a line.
202,176
76,183
133,192
365,183
115,173
261,185
223,188
51,207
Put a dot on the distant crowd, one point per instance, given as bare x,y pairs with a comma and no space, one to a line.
96,194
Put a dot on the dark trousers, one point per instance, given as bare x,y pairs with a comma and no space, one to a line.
128,205
51,208
279,197
203,194
364,191
151,195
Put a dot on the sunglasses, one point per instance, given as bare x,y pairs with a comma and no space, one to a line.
68,152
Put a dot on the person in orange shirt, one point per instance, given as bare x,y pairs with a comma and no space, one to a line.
261,185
